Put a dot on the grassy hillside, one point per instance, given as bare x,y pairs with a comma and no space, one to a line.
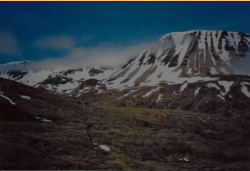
138,138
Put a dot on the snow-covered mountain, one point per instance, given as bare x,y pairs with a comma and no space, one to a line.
57,79
17,63
178,57
195,54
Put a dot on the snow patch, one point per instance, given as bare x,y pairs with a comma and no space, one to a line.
78,95
184,159
247,83
227,85
127,93
151,91
8,99
104,147
25,97
99,91
159,97
183,87
197,91
220,96
213,71
224,70
245,91
210,85
189,71
44,120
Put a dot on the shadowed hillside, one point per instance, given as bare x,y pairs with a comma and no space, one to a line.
40,130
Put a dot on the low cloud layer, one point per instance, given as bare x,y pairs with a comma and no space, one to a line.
105,55
242,66
8,44
56,42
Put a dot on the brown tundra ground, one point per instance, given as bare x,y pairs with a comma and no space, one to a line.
138,138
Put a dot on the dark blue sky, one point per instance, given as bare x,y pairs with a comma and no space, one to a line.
37,30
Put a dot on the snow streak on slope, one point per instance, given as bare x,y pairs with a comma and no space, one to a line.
151,91
220,96
183,87
227,85
197,91
210,85
127,94
159,97
245,91
1,94
25,97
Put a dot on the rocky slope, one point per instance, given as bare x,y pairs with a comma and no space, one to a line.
41,131
195,54
228,96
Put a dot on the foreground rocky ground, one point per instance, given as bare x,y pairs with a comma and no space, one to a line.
139,138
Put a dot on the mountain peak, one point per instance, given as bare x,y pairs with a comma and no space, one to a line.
20,63
192,56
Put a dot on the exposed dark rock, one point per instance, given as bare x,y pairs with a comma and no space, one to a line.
206,101
184,38
142,58
136,84
94,71
129,62
56,80
17,74
168,57
184,62
174,61
232,35
124,81
216,35
89,82
242,47
228,47
194,43
151,59
70,71
214,54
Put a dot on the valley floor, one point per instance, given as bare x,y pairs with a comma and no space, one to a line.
138,138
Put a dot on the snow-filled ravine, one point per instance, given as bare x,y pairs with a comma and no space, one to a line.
1,95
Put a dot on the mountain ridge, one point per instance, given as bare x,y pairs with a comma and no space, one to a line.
177,57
